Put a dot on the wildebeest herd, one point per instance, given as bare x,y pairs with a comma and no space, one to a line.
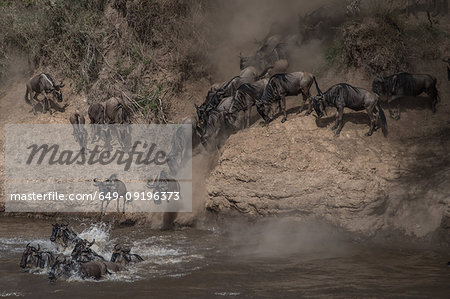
83,261
219,113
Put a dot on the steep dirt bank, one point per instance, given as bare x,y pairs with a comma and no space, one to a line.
363,184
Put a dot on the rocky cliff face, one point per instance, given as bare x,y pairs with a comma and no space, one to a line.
362,184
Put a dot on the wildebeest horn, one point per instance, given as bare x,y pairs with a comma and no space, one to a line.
39,247
91,243
28,245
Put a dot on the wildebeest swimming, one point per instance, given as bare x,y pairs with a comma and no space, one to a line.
33,257
279,87
63,235
344,95
406,84
43,84
244,99
122,255
65,267
112,188
79,131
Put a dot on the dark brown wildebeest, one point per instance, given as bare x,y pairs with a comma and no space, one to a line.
63,235
217,127
244,99
112,189
79,131
279,87
96,113
117,113
181,147
344,95
122,256
83,253
43,84
64,267
33,257
213,99
405,84
167,185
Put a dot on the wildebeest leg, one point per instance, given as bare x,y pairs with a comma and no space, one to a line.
283,107
44,110
101,208
433,94
339,124
247,116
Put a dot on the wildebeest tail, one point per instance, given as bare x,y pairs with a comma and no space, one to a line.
27,99
382,119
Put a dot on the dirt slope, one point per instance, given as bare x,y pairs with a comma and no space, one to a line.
363,184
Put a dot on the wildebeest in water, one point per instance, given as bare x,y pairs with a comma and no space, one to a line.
344,95
33,257
406,84
43,84
63,235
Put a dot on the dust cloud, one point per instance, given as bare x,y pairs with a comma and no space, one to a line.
238,27
283,237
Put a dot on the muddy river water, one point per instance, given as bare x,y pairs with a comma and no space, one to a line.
212,263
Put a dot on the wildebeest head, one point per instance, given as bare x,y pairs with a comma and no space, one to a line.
379,85
82,246
57,231
56,92
318,103
29,254
122,255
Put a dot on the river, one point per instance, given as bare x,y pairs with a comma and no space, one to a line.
261,261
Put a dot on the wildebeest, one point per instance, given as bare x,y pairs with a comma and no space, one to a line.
247,75
344,95
181,147
279,87
216,125
43,84
63,235
122,256
111,189
97,116
117,113
64,267
82,251
79,131
244,99
164,183
405,84
33,257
